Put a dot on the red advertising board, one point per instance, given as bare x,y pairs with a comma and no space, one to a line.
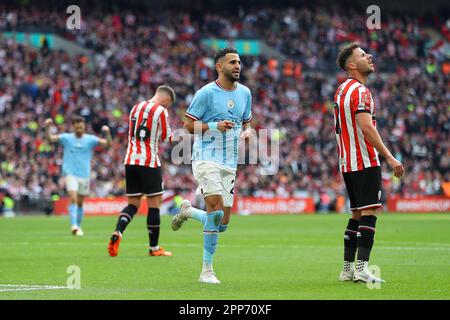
242,205
114,205
98,206
419,204
252,205
109,206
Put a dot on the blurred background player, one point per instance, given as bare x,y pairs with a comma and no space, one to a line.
148,123
216,115
358,145
76,167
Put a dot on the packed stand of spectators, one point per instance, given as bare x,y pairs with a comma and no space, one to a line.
133,53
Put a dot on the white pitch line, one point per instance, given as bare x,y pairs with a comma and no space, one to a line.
433,247
25,287
420,244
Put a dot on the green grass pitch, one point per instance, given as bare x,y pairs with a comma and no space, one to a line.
287,257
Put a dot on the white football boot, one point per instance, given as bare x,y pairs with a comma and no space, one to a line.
347,275
182,216
208,276
74,229
365,275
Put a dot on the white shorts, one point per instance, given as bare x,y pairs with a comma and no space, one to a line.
214,179
79,185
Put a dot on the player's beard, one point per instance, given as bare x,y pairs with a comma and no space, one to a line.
367,70
370,68
79,132
231,77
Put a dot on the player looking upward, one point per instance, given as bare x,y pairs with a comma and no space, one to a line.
217,114
76,167
358,145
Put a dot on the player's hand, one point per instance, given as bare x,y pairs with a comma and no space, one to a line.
105,129
48,122
247,134
396,166
225,125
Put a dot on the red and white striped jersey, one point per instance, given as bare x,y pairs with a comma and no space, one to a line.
148,122
354,151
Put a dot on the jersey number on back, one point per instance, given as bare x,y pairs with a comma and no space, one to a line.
141,132
336,115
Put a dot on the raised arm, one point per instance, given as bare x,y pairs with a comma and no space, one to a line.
107,141
52,138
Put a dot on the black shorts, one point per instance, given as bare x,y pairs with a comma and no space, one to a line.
364,188
142,180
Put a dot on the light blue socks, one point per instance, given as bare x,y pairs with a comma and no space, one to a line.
76,215
73,214
199,215
80,213
210,235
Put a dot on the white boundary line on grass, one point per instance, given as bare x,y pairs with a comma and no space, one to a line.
416,246
26,287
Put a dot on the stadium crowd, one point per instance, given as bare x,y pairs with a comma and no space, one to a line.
132,53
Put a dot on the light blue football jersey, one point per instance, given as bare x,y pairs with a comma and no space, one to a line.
77,154
212,103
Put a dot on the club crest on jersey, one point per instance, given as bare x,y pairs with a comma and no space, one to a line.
365,99
230,104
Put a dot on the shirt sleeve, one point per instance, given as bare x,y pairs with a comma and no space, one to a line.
93,141
248,109
361,100
164,123
198,105
63,138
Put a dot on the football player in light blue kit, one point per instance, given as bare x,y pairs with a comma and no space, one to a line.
220,113
76,167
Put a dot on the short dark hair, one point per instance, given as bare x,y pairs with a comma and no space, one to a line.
169,90
77,119
345,53
223,52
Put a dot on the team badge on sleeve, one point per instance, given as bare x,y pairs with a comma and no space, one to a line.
366,100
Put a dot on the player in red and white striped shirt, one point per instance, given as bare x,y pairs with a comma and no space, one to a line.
355,151
148,123
358,145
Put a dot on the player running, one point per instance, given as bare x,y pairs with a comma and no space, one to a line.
76,167
358,145
217,113
148,123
